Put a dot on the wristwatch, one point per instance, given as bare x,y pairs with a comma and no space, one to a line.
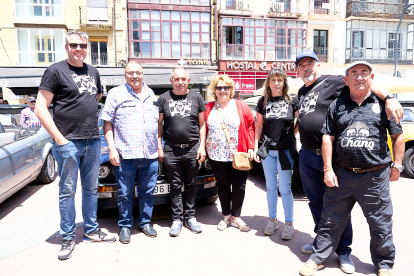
389,96
398,167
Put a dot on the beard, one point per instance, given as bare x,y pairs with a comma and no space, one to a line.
309,78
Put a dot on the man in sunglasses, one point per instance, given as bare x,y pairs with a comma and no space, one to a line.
356,162
74,87
181,124
28,117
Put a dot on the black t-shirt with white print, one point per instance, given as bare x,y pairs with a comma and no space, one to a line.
313,108
360,132
278,117
75,89
181,124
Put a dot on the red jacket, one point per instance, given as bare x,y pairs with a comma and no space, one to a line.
247,125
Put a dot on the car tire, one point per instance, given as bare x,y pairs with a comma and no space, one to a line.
47,173
210,200
408,162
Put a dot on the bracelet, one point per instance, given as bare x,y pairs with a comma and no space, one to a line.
325,170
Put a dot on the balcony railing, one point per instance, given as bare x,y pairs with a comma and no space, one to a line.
328,7
284,8
96,17
240,5
376,10
379,56
99,59
325,54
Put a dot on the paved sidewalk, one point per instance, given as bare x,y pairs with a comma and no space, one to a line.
33,213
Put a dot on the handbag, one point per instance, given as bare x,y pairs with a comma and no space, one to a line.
240,159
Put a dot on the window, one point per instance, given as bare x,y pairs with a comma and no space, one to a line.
320,44
38,9
170,34
178,2
40,46
98,52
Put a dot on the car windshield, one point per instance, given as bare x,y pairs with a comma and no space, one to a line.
408,115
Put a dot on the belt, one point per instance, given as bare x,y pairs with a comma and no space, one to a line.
359,170
181,145
316,151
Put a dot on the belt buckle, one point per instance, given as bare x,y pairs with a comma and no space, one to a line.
183,146
318,152
353,169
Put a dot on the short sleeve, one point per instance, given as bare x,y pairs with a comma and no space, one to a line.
329,127
49,81
107,113
341,88
259,106
98,83
160,104
201,104
295,104
393,127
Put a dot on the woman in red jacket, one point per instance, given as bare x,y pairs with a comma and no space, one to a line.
237,119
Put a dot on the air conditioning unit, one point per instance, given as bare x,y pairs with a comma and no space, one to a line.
278,7
270,55
259,55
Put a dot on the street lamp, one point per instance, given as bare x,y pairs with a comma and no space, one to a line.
397,40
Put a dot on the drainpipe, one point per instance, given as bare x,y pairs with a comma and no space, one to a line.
116,57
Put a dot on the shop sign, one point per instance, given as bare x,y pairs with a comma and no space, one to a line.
197,62
244,85
259,66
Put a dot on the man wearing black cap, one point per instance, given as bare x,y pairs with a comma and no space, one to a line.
27,117
315,97
355,130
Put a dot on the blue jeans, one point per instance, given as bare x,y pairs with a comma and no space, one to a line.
311,172
83,155
145,172
272,168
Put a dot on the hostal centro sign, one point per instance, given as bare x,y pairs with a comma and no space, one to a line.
260,66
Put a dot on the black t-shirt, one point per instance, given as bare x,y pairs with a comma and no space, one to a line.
181,125
75,110
278,117
360,132
313,108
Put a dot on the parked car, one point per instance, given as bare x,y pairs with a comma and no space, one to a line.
108,186
25,153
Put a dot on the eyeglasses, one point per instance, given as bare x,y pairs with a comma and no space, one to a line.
132,73
32,101
355,75
309,63
75,45
220,88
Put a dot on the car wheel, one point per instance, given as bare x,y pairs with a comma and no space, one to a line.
47,173
408,162
211,199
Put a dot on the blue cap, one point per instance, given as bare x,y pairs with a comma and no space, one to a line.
306,53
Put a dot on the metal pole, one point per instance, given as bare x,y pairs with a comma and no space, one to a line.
116,50
397,37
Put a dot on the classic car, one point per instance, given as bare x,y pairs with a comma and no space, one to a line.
407,124
25,153
108,186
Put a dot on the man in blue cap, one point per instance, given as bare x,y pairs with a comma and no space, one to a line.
315,96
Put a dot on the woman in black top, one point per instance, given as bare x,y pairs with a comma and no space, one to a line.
276,112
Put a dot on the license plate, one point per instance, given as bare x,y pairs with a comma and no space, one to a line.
160,189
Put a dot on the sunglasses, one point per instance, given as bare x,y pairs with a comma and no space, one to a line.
32,101
75,45
225,88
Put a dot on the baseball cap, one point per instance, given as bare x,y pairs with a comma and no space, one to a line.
306,53
32,99
357,63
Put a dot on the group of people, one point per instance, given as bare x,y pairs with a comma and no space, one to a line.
342,121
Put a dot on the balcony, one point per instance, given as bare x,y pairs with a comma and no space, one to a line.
96,18
235,7
325,54
286,8
324,7
378,56
375,9
99,59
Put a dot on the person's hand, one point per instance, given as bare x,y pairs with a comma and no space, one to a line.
394,108
201,154
62,141
160,155
251,154
395,174
330,179
114,157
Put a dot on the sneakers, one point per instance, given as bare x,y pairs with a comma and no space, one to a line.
271,227
176,228
309,268
98,236
65,251
224,222
193,225
288,231
346,264
307,249
385,272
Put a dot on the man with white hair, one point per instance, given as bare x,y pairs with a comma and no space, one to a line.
357,167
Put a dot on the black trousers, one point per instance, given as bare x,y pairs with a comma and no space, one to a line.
181,167
231,187
372,192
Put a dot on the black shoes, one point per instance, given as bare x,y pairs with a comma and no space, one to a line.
125,235
148,231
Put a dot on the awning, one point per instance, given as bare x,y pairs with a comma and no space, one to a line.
24,79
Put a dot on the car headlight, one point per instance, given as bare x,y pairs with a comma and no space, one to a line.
104,171
206,164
